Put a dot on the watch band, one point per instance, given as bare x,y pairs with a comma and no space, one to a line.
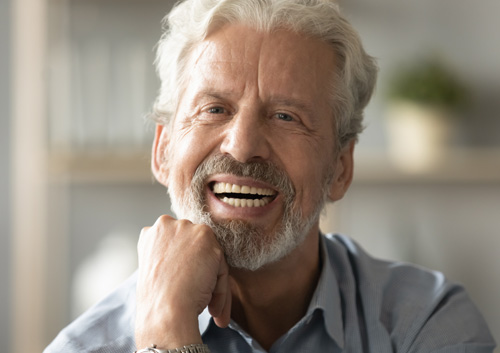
192,348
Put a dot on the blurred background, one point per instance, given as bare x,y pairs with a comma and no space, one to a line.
76,82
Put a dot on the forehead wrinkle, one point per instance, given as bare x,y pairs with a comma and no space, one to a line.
213,93
228,45
275,64
199,52
221,60
207,55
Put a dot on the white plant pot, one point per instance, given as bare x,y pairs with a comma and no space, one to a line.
418,135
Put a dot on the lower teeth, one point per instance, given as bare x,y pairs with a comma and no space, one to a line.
246,202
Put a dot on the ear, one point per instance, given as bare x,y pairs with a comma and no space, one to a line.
159,154
343,172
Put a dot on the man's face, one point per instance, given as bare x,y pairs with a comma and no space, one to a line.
251,150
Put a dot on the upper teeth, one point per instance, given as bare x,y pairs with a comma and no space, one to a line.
262,198
220,188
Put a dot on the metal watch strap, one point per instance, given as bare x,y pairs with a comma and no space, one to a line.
192,348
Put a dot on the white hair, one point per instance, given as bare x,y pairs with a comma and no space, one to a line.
191,21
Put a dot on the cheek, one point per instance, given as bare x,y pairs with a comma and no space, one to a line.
310,186
188,152
308,170
305,175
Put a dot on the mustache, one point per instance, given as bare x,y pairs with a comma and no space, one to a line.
264,171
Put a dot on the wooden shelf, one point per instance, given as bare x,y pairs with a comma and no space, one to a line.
371,166
456,166
101,167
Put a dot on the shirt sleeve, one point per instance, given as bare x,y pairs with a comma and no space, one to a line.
454,326
405,308
107,327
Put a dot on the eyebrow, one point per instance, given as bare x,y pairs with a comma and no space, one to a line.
217,94
300,104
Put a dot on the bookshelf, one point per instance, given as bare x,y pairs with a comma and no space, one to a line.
82,130
480,165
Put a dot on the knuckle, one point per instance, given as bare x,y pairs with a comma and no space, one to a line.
142,237
205,237
203,229
144,230
184,223
164,219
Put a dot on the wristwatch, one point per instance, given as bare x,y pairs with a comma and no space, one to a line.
192,348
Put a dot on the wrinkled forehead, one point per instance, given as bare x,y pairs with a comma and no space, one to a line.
282,61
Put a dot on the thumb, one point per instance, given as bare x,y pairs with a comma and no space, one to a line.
224,318
220,304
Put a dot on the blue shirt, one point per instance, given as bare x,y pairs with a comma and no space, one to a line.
361,304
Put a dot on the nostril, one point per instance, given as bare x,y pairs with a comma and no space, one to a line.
246,146
246,135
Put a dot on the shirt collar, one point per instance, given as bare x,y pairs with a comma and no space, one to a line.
326,298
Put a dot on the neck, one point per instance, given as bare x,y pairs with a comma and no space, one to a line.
270,301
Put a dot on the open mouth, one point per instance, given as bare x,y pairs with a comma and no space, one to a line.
243,195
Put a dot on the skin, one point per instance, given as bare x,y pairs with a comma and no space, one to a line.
261,98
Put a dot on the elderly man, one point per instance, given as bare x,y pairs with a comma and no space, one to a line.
260,107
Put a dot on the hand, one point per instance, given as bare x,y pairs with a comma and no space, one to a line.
182,270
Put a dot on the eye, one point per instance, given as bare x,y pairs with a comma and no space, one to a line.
216,110
284,117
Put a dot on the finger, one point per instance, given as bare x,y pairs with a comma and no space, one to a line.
144,231
216,305
225,317
142,236
220,291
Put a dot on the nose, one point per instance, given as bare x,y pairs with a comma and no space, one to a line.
246,138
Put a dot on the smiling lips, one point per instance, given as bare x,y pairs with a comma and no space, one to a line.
243,195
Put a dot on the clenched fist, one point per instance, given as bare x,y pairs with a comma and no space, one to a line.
182,270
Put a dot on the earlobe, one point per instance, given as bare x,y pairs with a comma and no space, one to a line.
159,153
344,170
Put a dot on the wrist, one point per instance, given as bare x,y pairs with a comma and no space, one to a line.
167,333
192,348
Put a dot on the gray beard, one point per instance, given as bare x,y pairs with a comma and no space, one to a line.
245,245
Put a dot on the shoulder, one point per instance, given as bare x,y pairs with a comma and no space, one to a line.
418,309
381,276
106,327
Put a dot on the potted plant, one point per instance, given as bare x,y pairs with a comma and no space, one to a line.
423,100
